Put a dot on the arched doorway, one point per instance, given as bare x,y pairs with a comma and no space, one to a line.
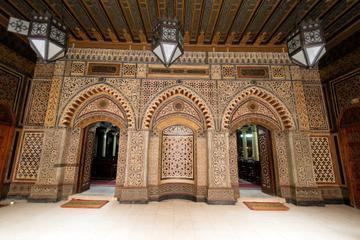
349,126
255,159
7,128
99,158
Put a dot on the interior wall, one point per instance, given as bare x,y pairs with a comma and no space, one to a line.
211,81
340,74
15,78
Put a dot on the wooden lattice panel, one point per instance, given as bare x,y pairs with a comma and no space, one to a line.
177,157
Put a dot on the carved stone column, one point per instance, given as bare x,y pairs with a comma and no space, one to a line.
220,190
233,157
49,182
303,187
135,187
121,162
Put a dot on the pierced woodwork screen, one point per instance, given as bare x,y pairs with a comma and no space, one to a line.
177,156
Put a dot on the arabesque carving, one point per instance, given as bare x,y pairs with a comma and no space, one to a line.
178,90
280,108
75,104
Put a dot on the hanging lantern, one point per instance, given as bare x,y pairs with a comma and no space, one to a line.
306,45
168,41
48,37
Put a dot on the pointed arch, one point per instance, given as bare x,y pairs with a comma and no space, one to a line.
84,96
181,91
284,115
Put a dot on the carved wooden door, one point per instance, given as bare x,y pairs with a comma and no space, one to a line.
6,137
350,141
266,161
86,160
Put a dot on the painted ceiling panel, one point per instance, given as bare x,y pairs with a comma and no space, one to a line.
213,23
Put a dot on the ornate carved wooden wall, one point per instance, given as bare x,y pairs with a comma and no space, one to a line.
249,24
254,87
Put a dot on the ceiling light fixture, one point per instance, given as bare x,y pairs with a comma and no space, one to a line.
47,35
168,42
306,45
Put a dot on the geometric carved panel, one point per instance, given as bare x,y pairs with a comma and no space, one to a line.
177,153
77,68
278,72
39,102
315,107
253,72
323,166
9,85
29,160
129,70
228,71
178,106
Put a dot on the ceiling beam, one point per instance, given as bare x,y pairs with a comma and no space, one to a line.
22,8
270,35
229,37
256,35
96,27
258,3
146,18
45,6
10,11
214,20
281,36
81,24
347,32
187,47
341,14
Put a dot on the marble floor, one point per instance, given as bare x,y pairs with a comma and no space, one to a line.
175,219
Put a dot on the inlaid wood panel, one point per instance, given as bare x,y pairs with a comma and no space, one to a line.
232,23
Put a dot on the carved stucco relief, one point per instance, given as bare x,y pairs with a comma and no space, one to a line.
136,156
219,160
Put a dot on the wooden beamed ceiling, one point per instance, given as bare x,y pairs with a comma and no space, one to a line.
217,25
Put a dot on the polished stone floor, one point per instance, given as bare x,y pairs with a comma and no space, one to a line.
176,219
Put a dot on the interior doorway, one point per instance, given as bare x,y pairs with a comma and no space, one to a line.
350,145
99,157
255,159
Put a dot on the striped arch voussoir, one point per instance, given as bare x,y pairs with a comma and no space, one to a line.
278,106
182,91
74,105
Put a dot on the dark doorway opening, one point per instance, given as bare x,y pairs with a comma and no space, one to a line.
255,159
99,155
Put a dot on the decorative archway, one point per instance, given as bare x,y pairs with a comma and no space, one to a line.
277,165
98,103
255,105
349,128
178,91
75,104
263,96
